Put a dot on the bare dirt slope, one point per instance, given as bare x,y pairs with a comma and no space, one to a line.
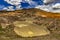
7,26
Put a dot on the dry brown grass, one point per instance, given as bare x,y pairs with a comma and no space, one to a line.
37,11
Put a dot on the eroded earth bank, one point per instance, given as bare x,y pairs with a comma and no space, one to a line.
28,25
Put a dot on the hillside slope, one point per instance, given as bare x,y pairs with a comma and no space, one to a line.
11,20
38,12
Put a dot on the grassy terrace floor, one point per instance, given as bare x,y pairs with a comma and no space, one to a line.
49,21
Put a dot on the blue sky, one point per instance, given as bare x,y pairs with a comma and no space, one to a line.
39,2
2,2
23,4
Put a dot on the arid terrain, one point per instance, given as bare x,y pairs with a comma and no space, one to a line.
49,21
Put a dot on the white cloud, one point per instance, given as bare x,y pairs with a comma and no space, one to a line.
48,8
44,7
57,5
13,2
47,1
28,0
5,8
9,8
18,7
31,2
17,2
